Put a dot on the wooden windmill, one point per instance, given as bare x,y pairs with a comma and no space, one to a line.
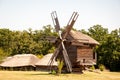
61,48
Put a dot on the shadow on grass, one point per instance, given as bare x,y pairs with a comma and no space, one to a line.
48,74
55,74
40,74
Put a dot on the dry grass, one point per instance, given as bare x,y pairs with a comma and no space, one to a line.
36,75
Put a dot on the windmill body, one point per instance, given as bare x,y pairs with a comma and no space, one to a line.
74,48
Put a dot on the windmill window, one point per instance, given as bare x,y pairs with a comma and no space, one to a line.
94,54
85,43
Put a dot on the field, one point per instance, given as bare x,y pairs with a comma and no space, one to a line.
38,75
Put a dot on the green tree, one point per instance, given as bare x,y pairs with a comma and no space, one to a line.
109,50
98,33
3,54
5,40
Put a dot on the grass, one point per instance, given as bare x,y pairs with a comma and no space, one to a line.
38,75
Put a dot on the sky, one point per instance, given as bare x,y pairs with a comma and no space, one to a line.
25,14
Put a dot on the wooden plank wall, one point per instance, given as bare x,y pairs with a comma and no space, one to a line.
84,53
72,53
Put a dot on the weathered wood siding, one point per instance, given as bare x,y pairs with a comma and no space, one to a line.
84,53
77,52
72,53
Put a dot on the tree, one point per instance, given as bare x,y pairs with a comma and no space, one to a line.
113,47
5,40
33,42
2,55
109,50
98,33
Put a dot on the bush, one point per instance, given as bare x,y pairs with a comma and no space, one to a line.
40,56
60,66
53,72
101,67
92,67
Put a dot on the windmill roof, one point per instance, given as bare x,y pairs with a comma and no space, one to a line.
45,60
82,38
20,60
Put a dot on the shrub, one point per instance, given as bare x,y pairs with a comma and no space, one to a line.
60,66
101,67
92,67
40,56
53,72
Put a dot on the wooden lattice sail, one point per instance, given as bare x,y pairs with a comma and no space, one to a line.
62,36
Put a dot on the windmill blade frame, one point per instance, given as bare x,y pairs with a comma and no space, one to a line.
62,36
55,21
70,24
54,56
65,54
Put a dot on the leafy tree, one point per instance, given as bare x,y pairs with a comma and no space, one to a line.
113,50
98,33
5,40
109,50
26,42
2,55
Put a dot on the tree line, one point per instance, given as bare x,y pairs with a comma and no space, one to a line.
35,42
25,42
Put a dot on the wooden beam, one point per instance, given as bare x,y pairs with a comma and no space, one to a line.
67,60
55,21
70,24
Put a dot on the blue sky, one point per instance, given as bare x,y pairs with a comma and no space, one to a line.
24,14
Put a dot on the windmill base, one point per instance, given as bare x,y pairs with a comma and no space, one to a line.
77,69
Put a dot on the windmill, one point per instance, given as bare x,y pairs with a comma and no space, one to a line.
62,36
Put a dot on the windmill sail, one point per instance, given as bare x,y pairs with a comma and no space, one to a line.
62,36
70,23
55,21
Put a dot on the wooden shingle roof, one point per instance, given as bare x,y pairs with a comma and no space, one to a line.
82,38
